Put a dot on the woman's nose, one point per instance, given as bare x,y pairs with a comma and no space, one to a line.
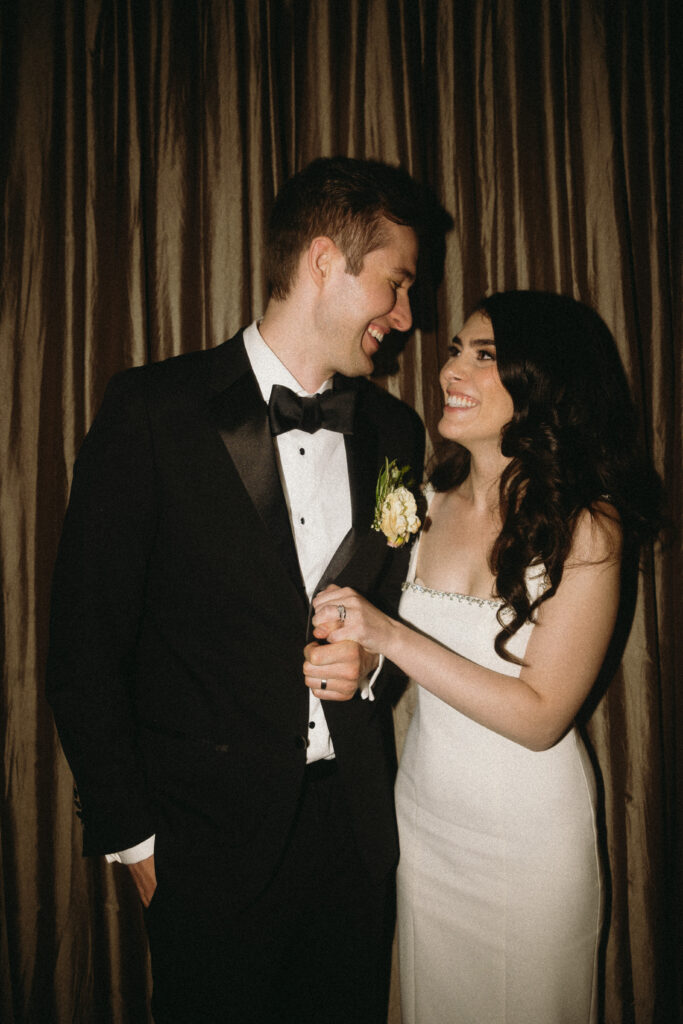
453,370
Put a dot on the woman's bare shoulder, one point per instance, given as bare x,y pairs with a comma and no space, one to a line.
597,536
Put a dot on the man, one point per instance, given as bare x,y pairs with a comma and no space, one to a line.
250,797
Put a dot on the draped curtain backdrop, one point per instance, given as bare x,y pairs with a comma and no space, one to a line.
142,144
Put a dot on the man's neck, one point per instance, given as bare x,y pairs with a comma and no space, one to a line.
292,341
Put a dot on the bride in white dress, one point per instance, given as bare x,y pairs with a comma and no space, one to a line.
500,898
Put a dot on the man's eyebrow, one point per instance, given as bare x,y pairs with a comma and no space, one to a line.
403,272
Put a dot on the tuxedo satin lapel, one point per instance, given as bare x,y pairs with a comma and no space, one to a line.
361,456
241,417
361,451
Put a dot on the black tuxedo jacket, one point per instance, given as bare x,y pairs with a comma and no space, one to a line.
179,619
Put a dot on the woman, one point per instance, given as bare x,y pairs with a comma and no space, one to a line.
506,618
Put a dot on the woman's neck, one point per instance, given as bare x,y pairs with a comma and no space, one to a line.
482,485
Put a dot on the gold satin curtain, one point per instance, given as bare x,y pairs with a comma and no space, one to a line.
141,144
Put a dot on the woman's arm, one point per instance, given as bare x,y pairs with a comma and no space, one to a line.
562,660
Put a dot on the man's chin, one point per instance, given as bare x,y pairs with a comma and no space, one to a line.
361,365
370,345
369,350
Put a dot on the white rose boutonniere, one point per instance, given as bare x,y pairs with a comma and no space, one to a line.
395,506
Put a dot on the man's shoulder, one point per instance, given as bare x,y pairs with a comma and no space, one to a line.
185,365
183,371
382,405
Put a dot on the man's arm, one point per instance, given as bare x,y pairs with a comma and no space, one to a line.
97,605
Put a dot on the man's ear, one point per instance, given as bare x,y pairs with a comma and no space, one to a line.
321,255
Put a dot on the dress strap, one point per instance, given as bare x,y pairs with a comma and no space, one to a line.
412,565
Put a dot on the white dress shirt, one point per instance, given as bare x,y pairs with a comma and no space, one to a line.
315,480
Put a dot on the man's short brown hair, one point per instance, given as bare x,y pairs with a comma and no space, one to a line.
340,198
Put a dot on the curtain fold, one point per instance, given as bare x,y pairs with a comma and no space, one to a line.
142,144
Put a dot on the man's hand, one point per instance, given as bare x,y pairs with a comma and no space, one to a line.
342,666
145,878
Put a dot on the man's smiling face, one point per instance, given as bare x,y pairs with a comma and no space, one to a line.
358,311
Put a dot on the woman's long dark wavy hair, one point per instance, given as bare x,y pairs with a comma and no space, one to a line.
572,442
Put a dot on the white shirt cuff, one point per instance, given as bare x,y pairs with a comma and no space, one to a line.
366,691
133,854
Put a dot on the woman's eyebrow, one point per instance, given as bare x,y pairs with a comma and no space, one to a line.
457,340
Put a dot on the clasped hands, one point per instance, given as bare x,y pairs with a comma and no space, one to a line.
339,656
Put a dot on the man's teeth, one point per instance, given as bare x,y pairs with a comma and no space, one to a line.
460,402
376,333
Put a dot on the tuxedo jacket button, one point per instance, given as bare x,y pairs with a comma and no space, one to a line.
301,742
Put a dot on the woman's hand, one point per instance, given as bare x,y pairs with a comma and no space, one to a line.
342,614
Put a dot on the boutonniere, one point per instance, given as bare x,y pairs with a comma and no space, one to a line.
395,506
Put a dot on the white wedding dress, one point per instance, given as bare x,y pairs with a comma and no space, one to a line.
499,883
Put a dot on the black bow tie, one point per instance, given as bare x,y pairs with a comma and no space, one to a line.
332,410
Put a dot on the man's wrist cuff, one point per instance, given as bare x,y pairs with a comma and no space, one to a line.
133,854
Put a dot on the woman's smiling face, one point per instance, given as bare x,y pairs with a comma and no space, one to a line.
476,405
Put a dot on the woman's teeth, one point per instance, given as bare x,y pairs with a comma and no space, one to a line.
460,402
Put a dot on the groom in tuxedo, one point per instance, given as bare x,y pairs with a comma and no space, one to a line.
242,772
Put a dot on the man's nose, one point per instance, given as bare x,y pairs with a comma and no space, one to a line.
401,316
